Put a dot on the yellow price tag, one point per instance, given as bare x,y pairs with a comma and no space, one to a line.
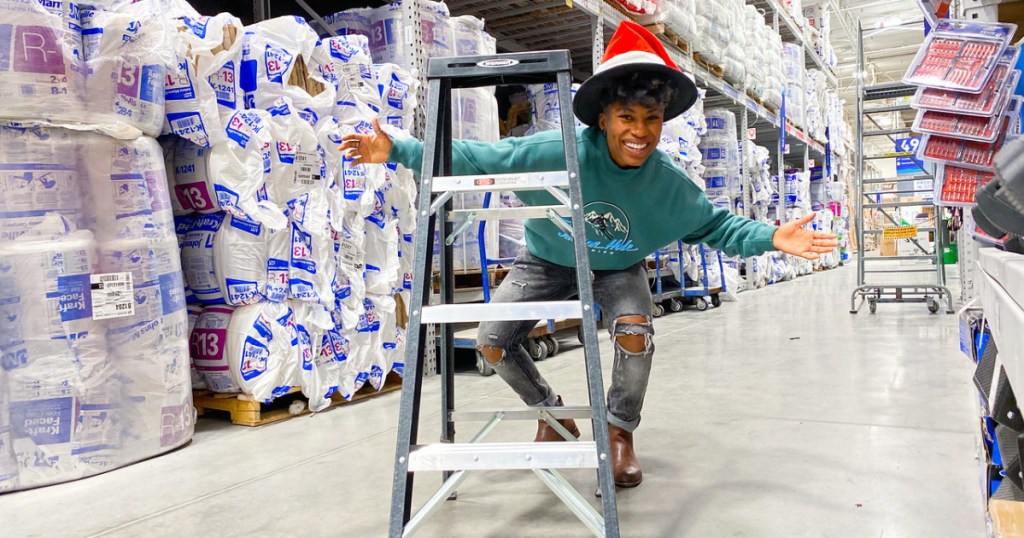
899,232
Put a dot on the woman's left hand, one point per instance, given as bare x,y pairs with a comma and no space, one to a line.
793,238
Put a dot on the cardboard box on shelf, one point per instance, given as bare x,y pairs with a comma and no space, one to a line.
888,246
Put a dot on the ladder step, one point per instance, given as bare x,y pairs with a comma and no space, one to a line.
889,156
533,181
465,313
881,231
903,271
888,91
527,413
896,258
898,204
888,132
500,69
880,109
495,456
896,179
911,191
505,213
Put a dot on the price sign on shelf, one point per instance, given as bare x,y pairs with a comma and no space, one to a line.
751,133
906,165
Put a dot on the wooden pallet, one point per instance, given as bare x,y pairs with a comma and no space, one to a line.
670,35
245,411
756,99
717,70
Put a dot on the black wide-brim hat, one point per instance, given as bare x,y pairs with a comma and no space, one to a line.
633,49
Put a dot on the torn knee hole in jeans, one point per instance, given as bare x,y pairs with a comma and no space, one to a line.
493,355
634,337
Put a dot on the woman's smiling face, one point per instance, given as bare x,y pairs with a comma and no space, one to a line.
633,132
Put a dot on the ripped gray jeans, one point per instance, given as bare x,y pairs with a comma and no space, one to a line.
618,293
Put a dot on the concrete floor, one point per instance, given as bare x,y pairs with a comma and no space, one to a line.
780,415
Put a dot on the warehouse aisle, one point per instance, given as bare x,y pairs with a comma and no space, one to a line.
777,416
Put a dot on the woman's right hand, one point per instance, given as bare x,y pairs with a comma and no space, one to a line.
367,148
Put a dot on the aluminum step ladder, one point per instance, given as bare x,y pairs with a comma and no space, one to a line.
898,286
437,186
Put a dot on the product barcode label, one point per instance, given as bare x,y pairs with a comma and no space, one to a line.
353,76
113,295
307,168
350,255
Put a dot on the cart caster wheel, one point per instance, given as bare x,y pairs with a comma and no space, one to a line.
716,301
538,349
483,366
675,305
553,346
933,305
701,304
657,310
872,305
579,334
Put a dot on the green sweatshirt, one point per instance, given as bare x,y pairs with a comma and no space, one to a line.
630,212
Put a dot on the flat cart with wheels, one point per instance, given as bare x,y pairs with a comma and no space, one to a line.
702,294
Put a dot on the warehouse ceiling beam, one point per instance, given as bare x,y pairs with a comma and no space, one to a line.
501,14
316,17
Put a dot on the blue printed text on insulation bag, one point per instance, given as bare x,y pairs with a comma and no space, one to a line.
302,251
285,153
397,92
715,122
354,180
237,129
241,291
223,83
254,359
74,297
188,125
227,199
368,320
277,280
278,62
45,422
196,25
262,326
178,86
715,182
172,293
377,217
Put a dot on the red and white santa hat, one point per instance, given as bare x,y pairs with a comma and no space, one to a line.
633,49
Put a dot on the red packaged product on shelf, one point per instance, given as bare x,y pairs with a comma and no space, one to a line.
960,55
989,102
978,128
963,153
958,185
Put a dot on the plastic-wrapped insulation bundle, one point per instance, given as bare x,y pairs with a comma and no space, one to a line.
280,58
84,287
388,37
681,17
353,70
202,88
44,73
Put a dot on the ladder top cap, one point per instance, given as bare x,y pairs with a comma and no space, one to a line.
500,69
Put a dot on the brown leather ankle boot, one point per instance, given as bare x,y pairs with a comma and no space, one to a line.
545,433
625,467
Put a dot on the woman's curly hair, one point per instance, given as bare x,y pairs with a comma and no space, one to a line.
638,89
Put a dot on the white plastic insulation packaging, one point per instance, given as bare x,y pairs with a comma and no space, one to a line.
208,348
230,176
263,349
197,259
397,88
271,51
128,49
202,89
241,260
353,69
44,72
